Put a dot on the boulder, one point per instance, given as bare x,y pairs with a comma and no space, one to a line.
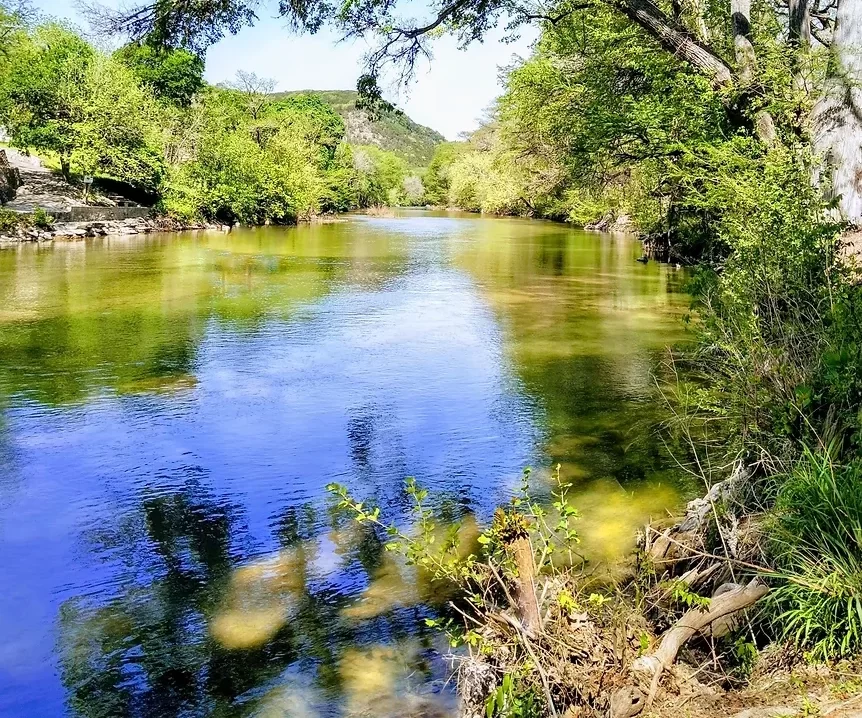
10,179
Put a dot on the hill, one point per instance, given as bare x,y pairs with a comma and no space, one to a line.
393,131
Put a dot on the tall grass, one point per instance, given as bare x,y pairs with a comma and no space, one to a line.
818,545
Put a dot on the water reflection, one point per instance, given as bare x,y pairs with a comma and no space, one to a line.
171,407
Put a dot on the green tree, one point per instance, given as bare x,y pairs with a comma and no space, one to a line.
60,95
116,127
381,176
41,90
14,17
735,50
436,178
173,76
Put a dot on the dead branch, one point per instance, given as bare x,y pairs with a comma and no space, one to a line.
727,601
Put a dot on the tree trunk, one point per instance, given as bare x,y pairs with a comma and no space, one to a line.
799,36
675,38
65,167
528,605
799,29
838,114
746,66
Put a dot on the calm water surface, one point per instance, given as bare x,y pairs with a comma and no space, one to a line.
171,408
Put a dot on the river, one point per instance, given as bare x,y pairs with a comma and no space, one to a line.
171,407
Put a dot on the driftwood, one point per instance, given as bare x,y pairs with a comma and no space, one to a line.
714,620
684,538
728,600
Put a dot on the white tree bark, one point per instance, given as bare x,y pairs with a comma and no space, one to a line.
838,114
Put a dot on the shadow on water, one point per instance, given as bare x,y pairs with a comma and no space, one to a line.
172,407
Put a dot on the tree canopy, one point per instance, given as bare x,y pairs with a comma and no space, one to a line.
173,75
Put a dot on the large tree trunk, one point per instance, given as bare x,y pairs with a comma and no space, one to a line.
746,67
838,114
799,36
745,59
799,28
675,38
65,167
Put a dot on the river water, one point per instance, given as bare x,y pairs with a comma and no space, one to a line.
171,407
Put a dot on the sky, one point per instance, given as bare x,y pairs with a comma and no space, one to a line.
450,94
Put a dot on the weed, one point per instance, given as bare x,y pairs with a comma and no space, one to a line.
10,221
818,546
42,219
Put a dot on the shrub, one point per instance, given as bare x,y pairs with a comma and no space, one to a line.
42,219
778,362
10,221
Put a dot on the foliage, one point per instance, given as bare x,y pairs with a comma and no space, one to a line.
58,95
380,176
817,540
42,219
14,17
254,158
436,178
483,570
173,76
778,359
506,702
10,221
41,87
232,178
143,116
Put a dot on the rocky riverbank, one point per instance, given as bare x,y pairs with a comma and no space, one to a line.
82,230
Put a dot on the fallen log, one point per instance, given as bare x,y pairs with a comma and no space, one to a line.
727,600
687,537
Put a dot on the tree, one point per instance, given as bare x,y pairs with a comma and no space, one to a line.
838,114
116,127
173,75
57,94
381,176
41,89
436,178
256,94
14,17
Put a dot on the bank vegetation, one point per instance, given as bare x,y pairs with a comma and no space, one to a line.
143,121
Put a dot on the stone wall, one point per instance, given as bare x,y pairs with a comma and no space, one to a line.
100,214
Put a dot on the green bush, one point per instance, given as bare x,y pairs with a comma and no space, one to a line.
42,219
9,220
778,362
817,543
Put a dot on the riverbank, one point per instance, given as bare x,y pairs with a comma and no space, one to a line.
680,627
27,232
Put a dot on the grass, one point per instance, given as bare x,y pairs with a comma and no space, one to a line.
818,545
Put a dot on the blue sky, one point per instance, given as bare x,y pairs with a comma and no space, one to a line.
449,94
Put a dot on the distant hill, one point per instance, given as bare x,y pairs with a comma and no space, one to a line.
392,131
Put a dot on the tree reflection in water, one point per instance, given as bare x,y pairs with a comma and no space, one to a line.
209,634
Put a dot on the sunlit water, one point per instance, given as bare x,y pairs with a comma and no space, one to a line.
172,407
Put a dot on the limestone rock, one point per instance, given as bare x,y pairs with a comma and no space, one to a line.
10,179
